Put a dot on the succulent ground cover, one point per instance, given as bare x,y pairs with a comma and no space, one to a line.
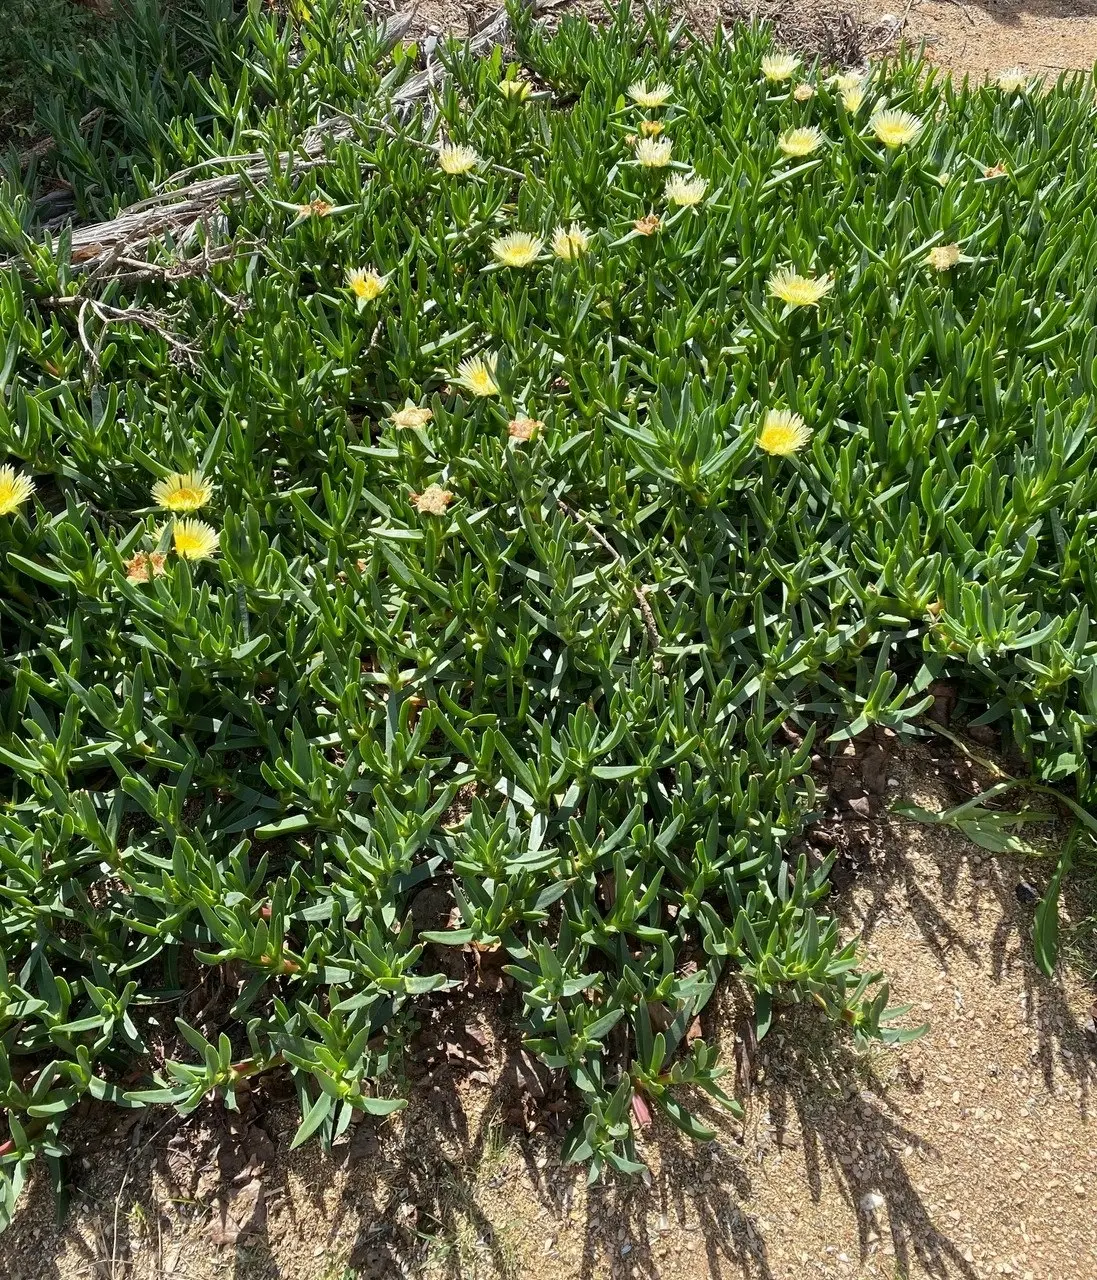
504,505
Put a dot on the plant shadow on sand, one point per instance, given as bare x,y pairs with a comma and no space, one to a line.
467,1181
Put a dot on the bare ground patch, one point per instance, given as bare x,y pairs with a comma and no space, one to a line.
970,1153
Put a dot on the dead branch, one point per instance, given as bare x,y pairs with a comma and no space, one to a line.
153,321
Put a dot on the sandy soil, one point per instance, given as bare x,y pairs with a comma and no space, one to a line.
970,1153
1043,36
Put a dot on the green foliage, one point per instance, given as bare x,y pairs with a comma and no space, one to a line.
128,101
1045,929
572,676
28,32
995,829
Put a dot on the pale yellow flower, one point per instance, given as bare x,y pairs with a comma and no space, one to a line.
801,142
783,433
780,66
685,191
650,128
453,158
316,208
518,249
194,539
796,290
1012,80
516,89
853,98
410,417
647,225
145,566
366,284
895,128
15,489
943,256
653,153
571,242
845,80
943,179
186,491
804,92
657,96
433,501
477,376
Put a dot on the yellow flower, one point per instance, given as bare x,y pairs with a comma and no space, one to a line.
14,490
145,566
943,256
943,179
657,96
477,376
570,243
517,89
650,128
433,501
853,98
779,66
895,128
366,284
647,225
410,417
804,92
653,153
801,142
845,80
194,539
519,249
783,433
1012,80
685,191
797,290
524,428
187,491
454,158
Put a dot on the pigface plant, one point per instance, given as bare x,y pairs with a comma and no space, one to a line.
494,502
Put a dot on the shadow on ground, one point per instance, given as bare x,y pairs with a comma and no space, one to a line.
836,1145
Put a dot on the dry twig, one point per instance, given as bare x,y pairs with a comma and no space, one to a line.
88,349
150,320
